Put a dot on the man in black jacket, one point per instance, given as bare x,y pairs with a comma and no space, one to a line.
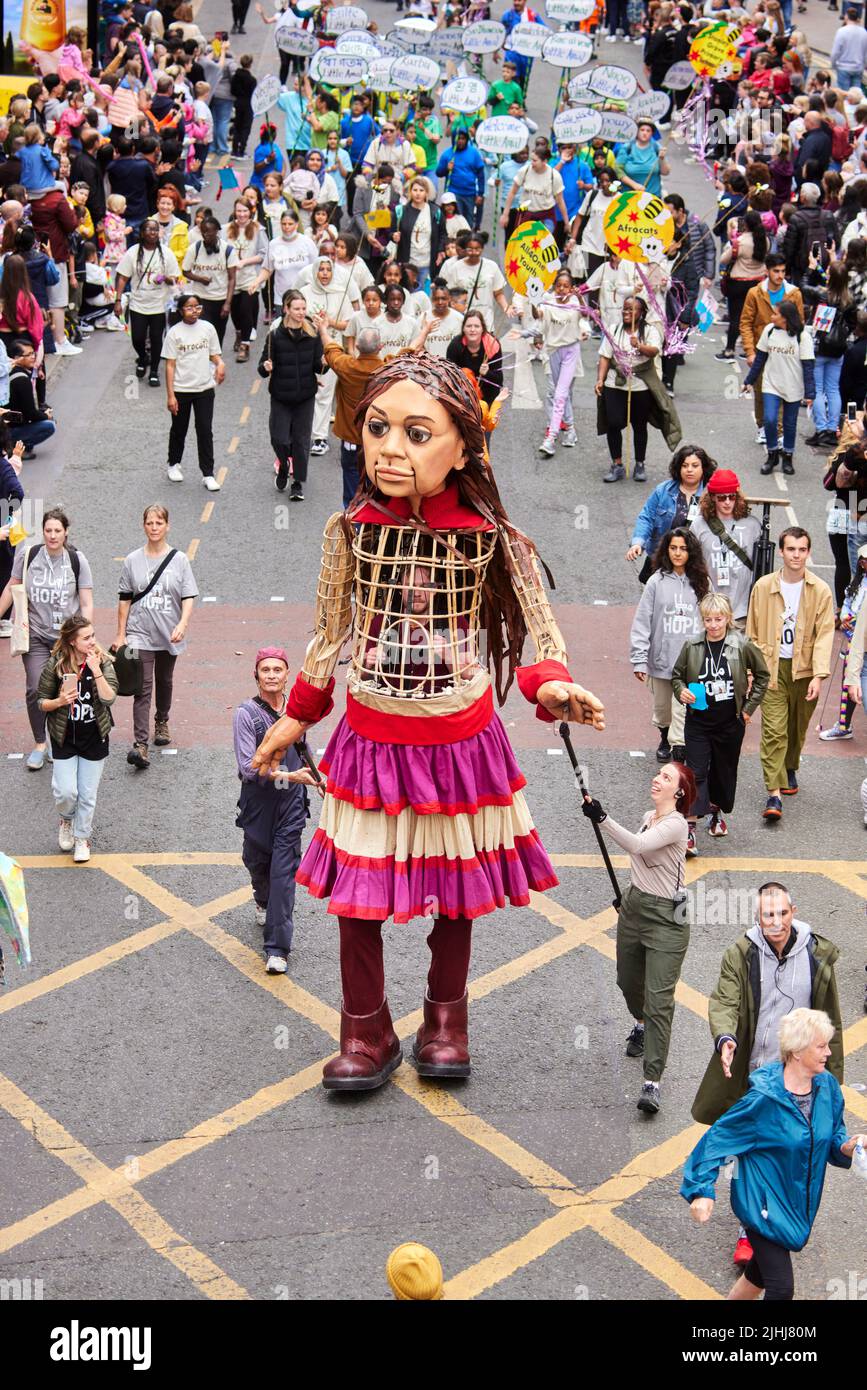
814,149
86,170
810,225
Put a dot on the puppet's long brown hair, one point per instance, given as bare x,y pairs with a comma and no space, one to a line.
500,615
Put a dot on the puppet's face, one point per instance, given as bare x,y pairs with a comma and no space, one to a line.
411,443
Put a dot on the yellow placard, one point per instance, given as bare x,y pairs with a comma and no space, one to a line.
380,217
638,227
532,260
714,52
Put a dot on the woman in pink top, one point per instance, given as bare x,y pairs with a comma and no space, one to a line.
20,312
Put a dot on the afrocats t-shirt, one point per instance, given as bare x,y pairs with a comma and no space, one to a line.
216,264
82,738
487,278
153,619
444,329
191,346
147,273
52,596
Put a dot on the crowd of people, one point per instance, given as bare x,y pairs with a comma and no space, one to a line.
353,237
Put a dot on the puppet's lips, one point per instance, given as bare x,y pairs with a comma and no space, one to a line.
396,474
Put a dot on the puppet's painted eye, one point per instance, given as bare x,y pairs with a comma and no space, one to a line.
417,435
377,427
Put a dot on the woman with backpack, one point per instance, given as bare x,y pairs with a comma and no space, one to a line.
58,584
727,534
785,353
836,314
151,270
211,264
641,164
77,688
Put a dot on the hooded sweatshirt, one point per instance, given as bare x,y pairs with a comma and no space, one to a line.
785,983
728,575
666,617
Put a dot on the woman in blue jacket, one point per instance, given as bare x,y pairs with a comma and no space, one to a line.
463,169
782,1135
673,503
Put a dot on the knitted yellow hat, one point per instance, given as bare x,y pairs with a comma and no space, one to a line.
414,1273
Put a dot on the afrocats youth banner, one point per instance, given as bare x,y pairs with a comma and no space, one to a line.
532,261
714,53
638,227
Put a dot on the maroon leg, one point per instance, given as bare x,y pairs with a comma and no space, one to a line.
369,1046
440,1047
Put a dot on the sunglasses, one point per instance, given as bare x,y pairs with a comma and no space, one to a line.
726,496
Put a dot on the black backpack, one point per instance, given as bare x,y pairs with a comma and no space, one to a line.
74,559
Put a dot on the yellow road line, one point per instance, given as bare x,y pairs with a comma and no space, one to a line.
255,387
517,1254
222,475
117,1191
118,950
233,444
192,548
206,513
245,415
650,1256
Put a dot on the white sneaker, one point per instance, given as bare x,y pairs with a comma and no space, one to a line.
209,482
252,335
760,437
261,914
5,627
275,965
67,349
114,324
174,473
65,837
569,439
81,852
547,447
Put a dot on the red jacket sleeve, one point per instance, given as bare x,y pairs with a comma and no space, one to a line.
307,703
531,677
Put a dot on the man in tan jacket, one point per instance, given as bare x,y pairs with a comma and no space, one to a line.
756,314
791,621
353,376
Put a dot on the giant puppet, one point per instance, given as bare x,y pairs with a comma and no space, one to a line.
424,815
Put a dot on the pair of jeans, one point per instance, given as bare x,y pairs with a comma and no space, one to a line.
349,464
617,16
147,332
563,362
467,208
848,77
35,661
827,405
291,427
771,409
221,110
74,784
157,668
201,403
34,434
273,878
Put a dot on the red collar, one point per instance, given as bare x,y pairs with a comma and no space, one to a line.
443,512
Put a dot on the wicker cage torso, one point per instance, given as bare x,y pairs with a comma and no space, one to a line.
417,599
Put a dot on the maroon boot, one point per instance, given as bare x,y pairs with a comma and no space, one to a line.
440,1047
369,1052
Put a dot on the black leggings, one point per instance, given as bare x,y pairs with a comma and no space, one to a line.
737,293
842,569
212,313
147,332
615,410
770,1269
713,754
245,313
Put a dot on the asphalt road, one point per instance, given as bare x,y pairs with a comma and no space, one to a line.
164,1131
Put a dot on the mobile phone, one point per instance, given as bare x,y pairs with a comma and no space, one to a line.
850,412
68,681
814,250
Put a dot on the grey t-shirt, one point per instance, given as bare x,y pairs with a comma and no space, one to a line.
153,619
728,576
52,596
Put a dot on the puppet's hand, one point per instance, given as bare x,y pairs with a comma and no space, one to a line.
565,700
282,734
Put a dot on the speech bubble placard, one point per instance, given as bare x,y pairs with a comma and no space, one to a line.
336,69
567,50
446,45
415,72
266,93
580,90
485,36
345,17
357,48
651,106
679,76
300,43
569,11
576,127
502,135
409,40
615,83
378,77
532,260
638,227
464,94
616,125
714,53
528,40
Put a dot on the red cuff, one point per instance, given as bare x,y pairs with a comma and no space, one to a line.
307,703
531,677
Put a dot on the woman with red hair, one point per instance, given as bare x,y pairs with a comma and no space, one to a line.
652,927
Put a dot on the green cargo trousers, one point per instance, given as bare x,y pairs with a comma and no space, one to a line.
651,945
786,714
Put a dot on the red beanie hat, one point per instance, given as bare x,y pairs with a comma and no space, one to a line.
724,480
270,654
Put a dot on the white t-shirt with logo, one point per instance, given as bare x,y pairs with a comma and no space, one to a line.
286,258
215,264
149,293
191,346
460,275
444,329
792,599
784,375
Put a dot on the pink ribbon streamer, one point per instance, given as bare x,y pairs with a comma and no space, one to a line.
691,124
623,361
145,59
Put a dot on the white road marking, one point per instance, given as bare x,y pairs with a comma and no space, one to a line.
634,754
169,752
555,752
210,599
277,598
12,756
